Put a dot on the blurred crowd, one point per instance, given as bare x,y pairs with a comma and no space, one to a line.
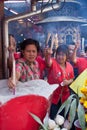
57,65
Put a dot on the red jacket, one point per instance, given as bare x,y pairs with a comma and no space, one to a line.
56,76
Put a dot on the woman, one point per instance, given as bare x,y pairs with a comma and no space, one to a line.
27,67
60,72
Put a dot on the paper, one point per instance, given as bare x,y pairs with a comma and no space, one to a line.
37,87
79,82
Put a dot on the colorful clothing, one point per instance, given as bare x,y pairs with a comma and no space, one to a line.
56,76
27,73
81,64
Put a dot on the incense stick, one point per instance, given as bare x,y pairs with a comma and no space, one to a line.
14,74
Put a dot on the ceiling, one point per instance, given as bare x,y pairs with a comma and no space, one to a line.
18,7
13,8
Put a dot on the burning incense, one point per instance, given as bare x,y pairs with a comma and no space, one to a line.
14,74
52,42
82,44
48,38
16,55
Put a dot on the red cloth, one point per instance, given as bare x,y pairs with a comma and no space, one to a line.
81,64
56,76
14,115
42,65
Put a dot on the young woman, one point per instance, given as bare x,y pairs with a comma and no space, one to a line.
60,72
27,68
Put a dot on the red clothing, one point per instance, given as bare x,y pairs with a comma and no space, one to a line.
42,65
81,64
14,114
56,76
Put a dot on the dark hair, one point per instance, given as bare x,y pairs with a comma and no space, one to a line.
29,42
11,35
62,48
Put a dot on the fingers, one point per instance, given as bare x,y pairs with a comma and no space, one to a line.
65,82
77,45
47,51
11,85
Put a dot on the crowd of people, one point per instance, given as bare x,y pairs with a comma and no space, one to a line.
62,69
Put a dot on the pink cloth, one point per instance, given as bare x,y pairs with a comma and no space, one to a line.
27,73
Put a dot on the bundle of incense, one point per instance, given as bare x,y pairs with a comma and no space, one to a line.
56,40
52,42
16,55
14,74
51,47
82,45
48,38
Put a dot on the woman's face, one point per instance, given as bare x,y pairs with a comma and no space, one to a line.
61,58
71,49
30,53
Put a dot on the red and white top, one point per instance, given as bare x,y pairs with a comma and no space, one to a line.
56,76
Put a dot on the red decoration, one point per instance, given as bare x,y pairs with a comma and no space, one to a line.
17,55
14,115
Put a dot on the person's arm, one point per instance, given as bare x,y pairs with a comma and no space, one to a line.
74,55
47,55
67,82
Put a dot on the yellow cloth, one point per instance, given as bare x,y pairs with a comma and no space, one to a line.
79,82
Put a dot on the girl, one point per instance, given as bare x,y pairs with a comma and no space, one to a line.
60,72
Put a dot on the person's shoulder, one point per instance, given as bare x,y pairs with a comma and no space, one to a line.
80,59
54,60
55,63
40,59
20,60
